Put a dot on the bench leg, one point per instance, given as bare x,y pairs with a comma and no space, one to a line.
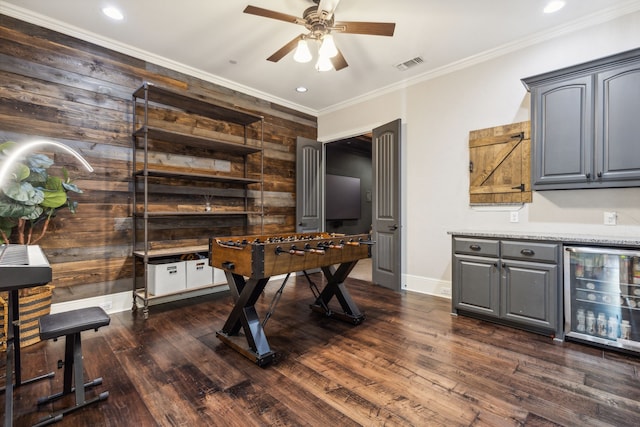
73,381
55,417
78,374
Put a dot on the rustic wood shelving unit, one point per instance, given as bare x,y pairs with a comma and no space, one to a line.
148,97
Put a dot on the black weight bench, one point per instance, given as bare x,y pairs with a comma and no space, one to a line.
71,324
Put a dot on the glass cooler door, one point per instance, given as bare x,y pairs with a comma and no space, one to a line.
602,296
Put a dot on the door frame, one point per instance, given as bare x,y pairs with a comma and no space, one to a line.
369,129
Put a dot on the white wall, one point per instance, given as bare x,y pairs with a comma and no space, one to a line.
439,113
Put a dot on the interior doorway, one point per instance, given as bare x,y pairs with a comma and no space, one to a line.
348,192
382,204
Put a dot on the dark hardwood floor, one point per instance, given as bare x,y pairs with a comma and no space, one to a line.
409,364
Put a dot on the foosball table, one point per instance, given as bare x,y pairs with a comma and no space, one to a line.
250,261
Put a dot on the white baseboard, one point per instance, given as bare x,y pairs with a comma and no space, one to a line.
123,301
112,303
425,285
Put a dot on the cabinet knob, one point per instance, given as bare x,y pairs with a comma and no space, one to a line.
588,175
474,247
527,252
599,174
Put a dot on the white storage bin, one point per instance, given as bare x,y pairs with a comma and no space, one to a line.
199,273
166,277
219,277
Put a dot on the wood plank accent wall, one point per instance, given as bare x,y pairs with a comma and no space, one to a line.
62,88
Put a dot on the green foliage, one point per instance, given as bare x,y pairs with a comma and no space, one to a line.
30,193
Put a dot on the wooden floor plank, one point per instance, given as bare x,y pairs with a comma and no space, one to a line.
409,363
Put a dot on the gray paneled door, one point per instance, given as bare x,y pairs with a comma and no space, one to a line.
386,206
309,189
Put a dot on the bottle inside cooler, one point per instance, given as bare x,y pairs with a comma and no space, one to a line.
602,296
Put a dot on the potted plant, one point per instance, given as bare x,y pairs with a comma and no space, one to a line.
30,197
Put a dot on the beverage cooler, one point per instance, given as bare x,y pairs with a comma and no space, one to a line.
602,296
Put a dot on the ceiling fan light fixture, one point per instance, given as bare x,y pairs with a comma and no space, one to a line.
320,22
113,13
328,47
554,6
302,54
324,63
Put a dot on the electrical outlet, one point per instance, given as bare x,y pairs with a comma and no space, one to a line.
610,218
514,217
106,305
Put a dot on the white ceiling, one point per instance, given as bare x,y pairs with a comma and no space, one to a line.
215,40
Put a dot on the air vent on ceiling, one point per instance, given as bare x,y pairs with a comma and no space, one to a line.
403,66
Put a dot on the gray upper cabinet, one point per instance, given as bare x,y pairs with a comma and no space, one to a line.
618,123
585,126
562,131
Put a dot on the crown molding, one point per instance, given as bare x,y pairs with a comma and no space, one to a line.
600,17
588,21
70,30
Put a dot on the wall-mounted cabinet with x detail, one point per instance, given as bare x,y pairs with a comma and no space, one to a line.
500,164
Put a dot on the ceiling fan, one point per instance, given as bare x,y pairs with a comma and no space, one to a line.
320,24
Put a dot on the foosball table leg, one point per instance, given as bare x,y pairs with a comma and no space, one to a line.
316,293
244,317
335,287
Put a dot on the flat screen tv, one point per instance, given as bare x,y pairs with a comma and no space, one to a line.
342,200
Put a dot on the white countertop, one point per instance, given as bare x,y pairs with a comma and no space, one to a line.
568,238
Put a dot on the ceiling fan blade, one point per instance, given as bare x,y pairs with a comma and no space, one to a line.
282,52
253,10
339,62
328,7
369,28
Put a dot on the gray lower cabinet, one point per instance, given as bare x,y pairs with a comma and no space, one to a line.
585,124
476,276
514,282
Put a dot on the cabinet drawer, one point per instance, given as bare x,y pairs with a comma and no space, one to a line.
482,247
530,251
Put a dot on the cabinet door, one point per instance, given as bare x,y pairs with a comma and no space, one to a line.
562,137
529,294
618,124
476,284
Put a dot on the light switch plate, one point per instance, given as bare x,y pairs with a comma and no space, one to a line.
610,218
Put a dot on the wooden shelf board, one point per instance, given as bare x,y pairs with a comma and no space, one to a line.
198,176
195,141
140,292
192,104
204,214
157,253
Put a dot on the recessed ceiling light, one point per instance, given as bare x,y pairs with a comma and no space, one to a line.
554,6
113,13
301,89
